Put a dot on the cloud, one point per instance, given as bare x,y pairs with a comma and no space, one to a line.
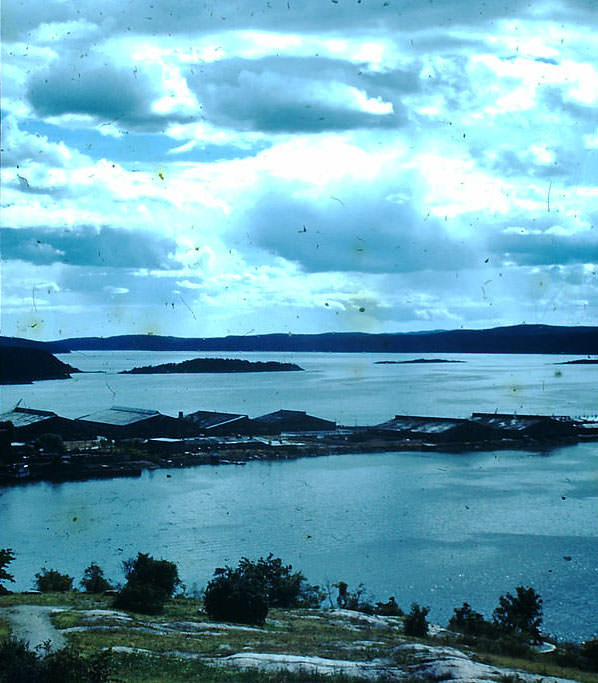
88,246
287,94
367,230
134,96
289,164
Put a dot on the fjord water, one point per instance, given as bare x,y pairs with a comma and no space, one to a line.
434,528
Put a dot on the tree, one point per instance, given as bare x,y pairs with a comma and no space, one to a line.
149,584
52,581
520,613
94,581
6,557
416,623
50,443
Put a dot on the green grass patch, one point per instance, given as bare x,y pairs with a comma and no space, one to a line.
74,599
540,665
4,628
66,619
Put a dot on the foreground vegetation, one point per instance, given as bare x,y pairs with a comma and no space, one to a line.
146,632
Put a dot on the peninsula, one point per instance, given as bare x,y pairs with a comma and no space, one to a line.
25,365
205,365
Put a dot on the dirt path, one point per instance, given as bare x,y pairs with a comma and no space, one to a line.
32,623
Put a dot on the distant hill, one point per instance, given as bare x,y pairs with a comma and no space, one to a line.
198,365
514,339
23,365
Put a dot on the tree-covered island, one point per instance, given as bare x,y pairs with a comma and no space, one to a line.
199,365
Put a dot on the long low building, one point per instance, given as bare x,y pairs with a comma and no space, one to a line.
120,422
528,426
28,424
290,421
212,423
437,429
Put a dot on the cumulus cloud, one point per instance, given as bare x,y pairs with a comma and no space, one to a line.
360,165
89,246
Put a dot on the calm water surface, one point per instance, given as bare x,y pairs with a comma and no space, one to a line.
349,388
428,527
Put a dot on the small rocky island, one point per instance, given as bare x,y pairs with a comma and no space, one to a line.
206,365
22,365
416,360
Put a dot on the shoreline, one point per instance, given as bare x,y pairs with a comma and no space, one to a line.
134,459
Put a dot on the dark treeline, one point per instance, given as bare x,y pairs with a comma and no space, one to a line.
513,339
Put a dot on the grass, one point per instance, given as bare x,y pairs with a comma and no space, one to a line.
72,599
541,665
301,632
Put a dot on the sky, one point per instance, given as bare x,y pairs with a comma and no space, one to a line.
209,168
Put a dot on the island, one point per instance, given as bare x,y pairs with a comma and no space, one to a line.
23,365
207,365
416,360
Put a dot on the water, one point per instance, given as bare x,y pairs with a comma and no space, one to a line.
434,528
348,388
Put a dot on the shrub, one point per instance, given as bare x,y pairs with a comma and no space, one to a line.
584,656
50,581
389,608
416,623
353,600
149,584
6,557
590,652
520,613
233,595
140,597
467,621
244,594
19,663
284,588
161,574
94,581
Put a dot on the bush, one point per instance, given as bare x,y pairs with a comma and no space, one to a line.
244,594
93,580
149,584
590,652
284,588
389,608
233,595
19,663
353,600
416,623
521,613
6,557
466,621
141,597
584,656
51,581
